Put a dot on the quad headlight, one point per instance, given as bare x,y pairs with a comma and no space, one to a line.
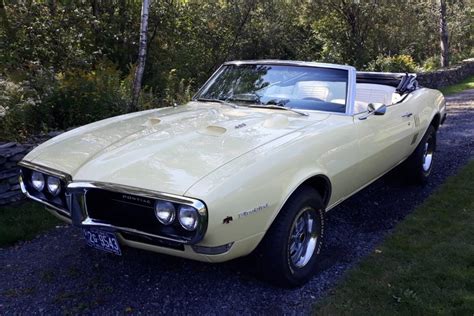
165,212
37,181
54,185
188,217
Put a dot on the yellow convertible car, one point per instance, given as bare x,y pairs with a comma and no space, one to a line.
250,165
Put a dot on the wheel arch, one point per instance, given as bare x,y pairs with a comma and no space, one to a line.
320,182
436,121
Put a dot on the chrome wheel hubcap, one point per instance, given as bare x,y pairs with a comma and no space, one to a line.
428,155
304,236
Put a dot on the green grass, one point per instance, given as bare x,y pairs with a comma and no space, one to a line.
426,267
467,83
23,222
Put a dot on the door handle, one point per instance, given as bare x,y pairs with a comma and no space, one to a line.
407,114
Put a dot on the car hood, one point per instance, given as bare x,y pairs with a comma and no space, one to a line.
167,149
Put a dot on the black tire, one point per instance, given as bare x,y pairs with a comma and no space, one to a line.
274,256
417,168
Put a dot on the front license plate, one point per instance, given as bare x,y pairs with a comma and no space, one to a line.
102,240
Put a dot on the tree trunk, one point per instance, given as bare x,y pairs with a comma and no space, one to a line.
137,82
443,33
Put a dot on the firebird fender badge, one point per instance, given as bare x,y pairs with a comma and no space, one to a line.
253,211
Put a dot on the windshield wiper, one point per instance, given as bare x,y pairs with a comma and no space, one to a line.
279,107
232,105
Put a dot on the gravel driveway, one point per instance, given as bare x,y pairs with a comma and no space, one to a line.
58,274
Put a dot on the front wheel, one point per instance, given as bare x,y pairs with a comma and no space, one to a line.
288,254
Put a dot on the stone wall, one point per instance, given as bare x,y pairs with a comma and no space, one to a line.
446,77
10,154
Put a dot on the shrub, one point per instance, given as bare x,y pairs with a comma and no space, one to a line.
24,106
45,101
177,90
431,64
87,96
396,63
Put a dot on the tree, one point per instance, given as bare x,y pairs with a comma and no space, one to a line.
137,82
443,33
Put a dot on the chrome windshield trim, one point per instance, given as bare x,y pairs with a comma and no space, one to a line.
351,78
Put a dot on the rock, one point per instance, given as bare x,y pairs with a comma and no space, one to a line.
4,187
13,180
11,196
11,151
9,173
17,157
7,145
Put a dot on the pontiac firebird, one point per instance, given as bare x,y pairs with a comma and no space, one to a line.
249,165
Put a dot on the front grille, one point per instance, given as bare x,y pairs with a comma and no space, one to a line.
131,211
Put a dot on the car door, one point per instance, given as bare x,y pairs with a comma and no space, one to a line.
384,140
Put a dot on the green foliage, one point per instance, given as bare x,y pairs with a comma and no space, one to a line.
75,60
23,222
87,96
397,63
432,63
424,268
49,102
468,83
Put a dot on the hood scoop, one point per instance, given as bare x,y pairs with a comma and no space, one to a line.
276,121
152,121
213,130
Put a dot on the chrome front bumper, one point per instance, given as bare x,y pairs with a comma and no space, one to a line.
77,213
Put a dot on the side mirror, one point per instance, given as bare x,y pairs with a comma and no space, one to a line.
380,110
374,109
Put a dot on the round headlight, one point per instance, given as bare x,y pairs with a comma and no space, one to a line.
165,212
188,217
54,185
37,180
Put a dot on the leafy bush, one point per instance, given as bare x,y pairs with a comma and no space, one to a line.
87,96
396,63
431,64
47,102
24,109
177,91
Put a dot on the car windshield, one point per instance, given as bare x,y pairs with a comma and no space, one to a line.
294,87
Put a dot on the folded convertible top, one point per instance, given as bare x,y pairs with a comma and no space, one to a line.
404,82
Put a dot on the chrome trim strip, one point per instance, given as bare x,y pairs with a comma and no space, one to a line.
28,195
83,219
48,171
197,204
76,199
89,222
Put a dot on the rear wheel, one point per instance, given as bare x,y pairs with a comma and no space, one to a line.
418,166
288,254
